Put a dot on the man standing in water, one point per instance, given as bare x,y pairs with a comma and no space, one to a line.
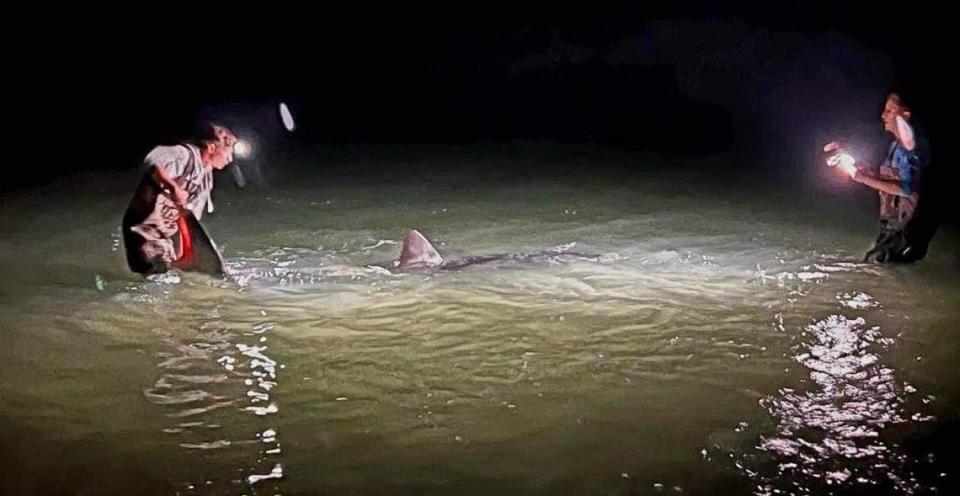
177,182
906,219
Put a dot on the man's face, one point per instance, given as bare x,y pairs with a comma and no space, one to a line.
891,109
219,154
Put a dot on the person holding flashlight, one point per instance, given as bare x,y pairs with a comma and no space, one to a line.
897,181
177,181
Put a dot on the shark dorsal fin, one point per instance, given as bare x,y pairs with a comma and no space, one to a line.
418,251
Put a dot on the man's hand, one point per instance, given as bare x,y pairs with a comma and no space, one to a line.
833,148
857,175
180,197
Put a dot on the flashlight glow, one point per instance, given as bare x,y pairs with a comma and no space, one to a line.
848,168
845,162
242,148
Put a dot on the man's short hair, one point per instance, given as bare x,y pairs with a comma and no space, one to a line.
899,100
212,132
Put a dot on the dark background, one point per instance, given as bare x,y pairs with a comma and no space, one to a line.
762,84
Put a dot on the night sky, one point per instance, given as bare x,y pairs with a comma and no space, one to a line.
762,84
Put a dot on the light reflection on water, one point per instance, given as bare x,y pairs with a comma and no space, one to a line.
213,375
702,340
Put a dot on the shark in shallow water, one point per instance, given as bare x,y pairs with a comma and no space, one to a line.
418,253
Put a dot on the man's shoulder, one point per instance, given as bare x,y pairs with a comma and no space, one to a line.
165,154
